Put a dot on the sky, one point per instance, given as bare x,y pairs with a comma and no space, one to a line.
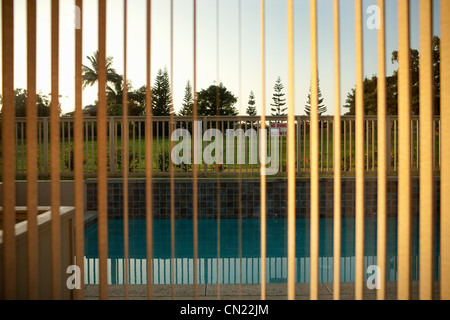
228,46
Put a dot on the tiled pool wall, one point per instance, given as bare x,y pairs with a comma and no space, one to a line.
228,189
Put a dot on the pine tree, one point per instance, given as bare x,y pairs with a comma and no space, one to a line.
251,109
278,100
161,98
321,107
188,101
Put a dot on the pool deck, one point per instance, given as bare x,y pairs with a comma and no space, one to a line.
245,292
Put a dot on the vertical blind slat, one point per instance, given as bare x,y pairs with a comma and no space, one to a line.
218,189
263,150
426,213
240,165
383,158
125,152
31,127
445,155
337,158
8,158
78,153
359,155
149,157
194,153
291,156
101,154
55,154
404,147
314,156
171,164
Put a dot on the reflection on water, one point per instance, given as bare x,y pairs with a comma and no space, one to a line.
239,260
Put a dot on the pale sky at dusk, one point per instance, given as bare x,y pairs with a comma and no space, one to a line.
228,67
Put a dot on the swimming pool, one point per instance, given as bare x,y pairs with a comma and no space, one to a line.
239,260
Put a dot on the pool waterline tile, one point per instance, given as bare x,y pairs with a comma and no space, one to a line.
250,197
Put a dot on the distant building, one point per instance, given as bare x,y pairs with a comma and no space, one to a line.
88,111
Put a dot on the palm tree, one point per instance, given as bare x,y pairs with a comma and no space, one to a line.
114,94
115,91
90,74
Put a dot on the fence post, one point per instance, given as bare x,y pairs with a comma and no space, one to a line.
45,124
112,167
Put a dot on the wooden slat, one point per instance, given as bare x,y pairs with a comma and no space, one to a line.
263,151
291,155
149,158
426,201
240,166
78,153
359,155
101,154
31,130
171,164
404,147
218,191
194,153
8,158
445,155
383,155
55,190
314,156
125,152
337,159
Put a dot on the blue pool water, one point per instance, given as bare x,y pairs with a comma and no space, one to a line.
239,260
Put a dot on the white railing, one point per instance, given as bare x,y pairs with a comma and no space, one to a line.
161,154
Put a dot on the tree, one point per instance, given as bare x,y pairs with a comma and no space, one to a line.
188,101
161,96
414,68
370,86
414,80
370,97
216,98
436,74
90,74
278,100
114,89
136,101
251,109
321,107
114,96
42,103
